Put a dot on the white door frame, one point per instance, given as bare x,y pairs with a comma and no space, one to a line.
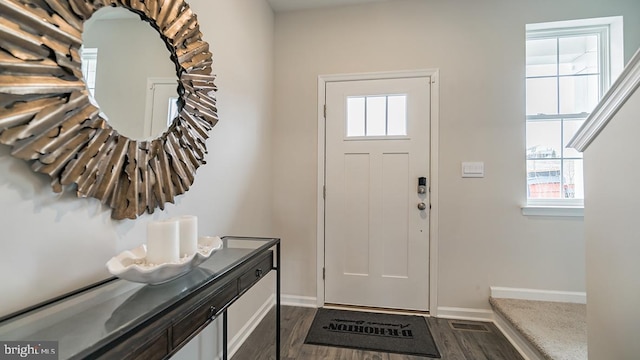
433,171
148,110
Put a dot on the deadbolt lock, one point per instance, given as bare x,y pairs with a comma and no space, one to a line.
422,185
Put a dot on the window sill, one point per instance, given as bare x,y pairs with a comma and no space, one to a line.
564,211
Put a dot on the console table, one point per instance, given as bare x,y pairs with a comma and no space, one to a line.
118,319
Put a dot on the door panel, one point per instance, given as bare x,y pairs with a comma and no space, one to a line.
395,217
376,239
357,186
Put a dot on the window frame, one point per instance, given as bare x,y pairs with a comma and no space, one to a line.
558,30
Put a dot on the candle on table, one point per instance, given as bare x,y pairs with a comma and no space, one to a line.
188,235
163,244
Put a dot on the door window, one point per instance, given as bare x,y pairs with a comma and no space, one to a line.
378,115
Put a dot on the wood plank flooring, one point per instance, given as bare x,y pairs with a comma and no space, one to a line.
453,344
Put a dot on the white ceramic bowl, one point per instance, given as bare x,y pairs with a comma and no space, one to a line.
131,264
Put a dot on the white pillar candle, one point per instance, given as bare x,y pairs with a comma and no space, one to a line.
188,235
163,244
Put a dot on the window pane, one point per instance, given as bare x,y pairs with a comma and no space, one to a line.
578,94
376,124
543,179
542,57
355,116
574,179
543,139
542,96
89,64
397,120
173,110
579,55
569,130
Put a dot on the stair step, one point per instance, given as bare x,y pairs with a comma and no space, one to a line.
557,330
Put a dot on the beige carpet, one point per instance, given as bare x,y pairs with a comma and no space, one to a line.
558,330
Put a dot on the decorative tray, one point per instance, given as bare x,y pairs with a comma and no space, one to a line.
131,264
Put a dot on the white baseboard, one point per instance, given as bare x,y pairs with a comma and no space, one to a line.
539,295
301,301
465,313
242,335
518,342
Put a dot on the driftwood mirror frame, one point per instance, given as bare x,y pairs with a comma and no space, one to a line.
46,116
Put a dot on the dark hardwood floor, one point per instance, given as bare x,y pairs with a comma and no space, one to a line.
454,344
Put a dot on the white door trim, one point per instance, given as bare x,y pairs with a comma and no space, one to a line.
433,220
148,110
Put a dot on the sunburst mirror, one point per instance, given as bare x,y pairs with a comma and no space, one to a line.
47,118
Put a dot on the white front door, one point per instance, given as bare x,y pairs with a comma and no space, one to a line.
376,237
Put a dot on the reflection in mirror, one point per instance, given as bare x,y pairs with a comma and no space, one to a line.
127,67
47,119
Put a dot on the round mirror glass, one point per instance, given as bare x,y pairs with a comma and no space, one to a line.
128,70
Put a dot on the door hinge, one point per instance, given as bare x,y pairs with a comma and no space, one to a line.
324,192
325,111
324,273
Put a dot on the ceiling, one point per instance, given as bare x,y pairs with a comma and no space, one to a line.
289,5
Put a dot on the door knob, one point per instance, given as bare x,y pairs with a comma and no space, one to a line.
422,206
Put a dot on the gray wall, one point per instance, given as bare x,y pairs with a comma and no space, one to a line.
613,244
51,244
484,240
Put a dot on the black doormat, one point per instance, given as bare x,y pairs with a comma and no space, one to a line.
402,334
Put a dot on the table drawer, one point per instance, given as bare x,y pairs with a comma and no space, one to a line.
203,314
139,347
255,272
157,349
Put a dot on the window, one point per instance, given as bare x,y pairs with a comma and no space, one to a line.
567,72
172,111
378,115
89,58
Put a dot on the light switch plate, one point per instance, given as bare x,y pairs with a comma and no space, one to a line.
473,169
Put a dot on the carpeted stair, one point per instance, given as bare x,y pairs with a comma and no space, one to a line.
557,330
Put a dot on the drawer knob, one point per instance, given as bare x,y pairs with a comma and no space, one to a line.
212,311
258,272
